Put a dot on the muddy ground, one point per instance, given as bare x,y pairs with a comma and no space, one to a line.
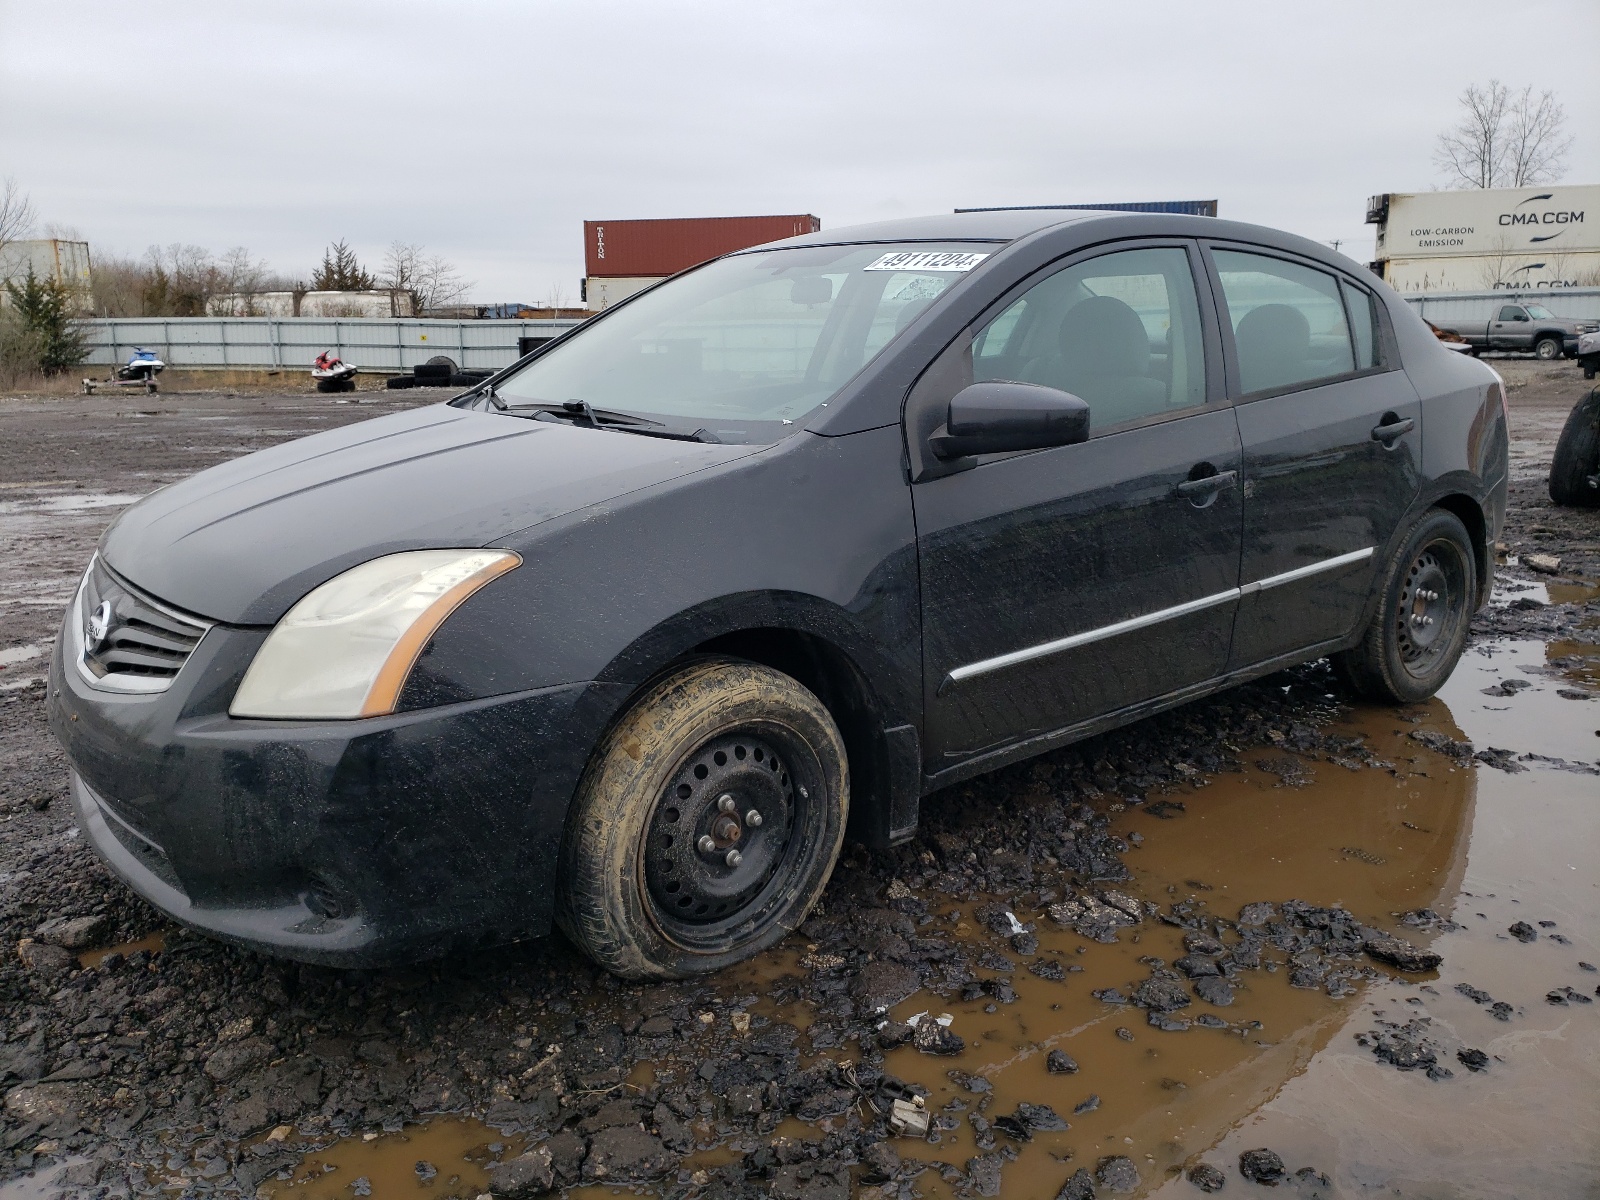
1272,936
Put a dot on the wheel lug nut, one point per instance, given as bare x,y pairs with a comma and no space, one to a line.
725,803
733,858
752,819
706,844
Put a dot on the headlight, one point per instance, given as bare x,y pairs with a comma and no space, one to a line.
346,648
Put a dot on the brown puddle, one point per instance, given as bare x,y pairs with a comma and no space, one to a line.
1482,846
455,1148
154,942
1340,840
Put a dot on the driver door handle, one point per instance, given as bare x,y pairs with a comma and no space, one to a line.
1390,430
1205,485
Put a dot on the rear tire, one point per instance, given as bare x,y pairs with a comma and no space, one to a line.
1547,348
1419,630
663,872
1577,457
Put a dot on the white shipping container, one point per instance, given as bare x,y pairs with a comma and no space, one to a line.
50,258
602,291
1530,220
1493,272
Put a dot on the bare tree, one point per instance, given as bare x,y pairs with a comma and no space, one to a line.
117,285
16,212
1504,139
1535,148
426,280
16,223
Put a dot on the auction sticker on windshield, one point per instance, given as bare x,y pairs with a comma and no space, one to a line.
926,260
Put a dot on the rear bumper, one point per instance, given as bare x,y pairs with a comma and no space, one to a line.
347,843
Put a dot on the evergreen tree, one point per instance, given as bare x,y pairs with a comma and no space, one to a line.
44,306
341,272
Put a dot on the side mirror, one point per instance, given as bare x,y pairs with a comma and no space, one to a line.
994,417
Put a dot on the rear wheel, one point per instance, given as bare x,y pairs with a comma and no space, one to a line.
1577,457
1548,348
1417,634
706,825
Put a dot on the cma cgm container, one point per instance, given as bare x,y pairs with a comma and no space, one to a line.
1488,239
623,257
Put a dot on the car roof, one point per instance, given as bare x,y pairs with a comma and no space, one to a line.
1011,224
995,225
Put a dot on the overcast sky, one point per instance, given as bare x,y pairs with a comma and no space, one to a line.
490,131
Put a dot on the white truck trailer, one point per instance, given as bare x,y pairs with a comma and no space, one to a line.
1491,239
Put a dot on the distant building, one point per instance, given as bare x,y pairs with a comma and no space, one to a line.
50,258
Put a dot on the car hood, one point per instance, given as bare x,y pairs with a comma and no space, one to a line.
241,542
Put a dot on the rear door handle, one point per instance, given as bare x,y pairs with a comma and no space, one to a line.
1204,486
1390,430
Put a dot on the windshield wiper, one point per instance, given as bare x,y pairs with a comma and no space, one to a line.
494,398
608,419
579,410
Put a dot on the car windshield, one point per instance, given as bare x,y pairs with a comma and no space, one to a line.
1539,312
747,345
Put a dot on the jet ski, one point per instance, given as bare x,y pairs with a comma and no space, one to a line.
333,374
142,365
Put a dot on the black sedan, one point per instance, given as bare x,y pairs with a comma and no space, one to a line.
632,636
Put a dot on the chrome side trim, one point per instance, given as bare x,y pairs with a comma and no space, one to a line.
1044,649
1316,568
986,665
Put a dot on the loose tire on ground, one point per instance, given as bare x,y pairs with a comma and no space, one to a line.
647,885
1416,636
1577,457
1548,348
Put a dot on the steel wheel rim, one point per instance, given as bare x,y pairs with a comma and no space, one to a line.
696,897
1431,608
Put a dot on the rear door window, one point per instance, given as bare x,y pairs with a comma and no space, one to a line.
1289,324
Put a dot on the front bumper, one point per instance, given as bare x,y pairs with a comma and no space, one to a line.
348,843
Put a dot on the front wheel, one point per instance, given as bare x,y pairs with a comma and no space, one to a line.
706,825
1417,634
1548,348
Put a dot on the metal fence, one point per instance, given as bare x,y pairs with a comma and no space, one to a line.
373,345
1443,307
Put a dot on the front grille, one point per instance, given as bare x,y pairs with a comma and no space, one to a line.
130,641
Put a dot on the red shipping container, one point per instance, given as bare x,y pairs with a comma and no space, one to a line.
665,247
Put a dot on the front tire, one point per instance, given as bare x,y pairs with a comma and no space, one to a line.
1419,630
707,823
1548,348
